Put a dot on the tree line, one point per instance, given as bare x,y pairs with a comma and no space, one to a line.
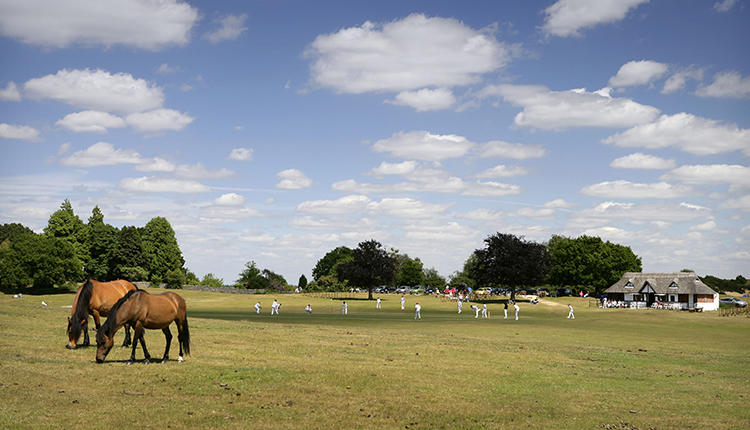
69,250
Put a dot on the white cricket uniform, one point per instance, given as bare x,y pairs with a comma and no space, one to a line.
476,309
484,311
459,304
570,314
403,301
377,306
308,309
515,306
275,307
257,308
418,311
344,308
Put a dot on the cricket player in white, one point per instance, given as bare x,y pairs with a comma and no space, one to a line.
308,309
377,305
484,311
344,308
418,310
570,314
476,309
459,303
515,306
275,307
257,308
403,301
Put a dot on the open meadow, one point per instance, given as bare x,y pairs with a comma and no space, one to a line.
379,368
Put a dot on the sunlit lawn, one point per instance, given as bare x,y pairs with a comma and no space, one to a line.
382,369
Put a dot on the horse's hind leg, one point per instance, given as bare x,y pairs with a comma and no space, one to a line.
168,335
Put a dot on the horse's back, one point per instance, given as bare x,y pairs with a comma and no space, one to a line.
106,294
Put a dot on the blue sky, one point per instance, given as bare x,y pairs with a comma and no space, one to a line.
275,131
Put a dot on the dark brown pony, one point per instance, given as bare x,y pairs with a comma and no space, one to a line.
96,299
145,311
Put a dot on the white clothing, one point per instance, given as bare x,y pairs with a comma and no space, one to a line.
275,307
476,309
515,306
460,305
484,311
570,314
378,304
344,308
403,300
308,309
257,308
418,310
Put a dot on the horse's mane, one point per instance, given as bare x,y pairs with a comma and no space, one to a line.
82,308
111,322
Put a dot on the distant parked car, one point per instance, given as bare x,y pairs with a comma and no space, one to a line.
563,292
403,289
418,289
733,302
484,291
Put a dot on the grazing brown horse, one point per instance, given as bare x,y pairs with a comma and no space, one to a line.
145,311
96,299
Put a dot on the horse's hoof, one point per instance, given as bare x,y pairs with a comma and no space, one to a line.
179,359
146,361
164,361
128,363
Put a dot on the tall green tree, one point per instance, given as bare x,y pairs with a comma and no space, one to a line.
590,262
275,281
65,224
127,259
10,231
510,261
161,247
302,283
410,273
101,242
370,266
326,266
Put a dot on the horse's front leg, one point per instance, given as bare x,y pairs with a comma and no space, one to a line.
168,335
85,327
138,335
127,341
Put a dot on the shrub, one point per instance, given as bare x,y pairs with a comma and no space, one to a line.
174,278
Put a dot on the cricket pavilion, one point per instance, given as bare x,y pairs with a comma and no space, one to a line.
682,290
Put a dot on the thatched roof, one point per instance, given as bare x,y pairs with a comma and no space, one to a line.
660,283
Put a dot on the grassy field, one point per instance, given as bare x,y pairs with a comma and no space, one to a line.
374,369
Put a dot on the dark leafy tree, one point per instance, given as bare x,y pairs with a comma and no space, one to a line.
510,261
10,231
302,283
127,259
410,273
588,261
161,247
370,266
737,285
65,224
326,266
432,278
251,278
101,243
39,260
174,278
275,281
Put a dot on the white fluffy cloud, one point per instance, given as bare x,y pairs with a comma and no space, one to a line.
10,93
91,121
154,184
293,179
687,132
726,84
156,165
503,171
677,81
241,154
638,73
347,204
22,132
500,149
566,17
735,175
425,99
549,110
408,54
423,145
102,154
724,6
231,27
630,190
144,24
159,120
642,161
407,208
97,90
199,171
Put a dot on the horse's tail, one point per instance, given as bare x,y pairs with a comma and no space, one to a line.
81,313
184,337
